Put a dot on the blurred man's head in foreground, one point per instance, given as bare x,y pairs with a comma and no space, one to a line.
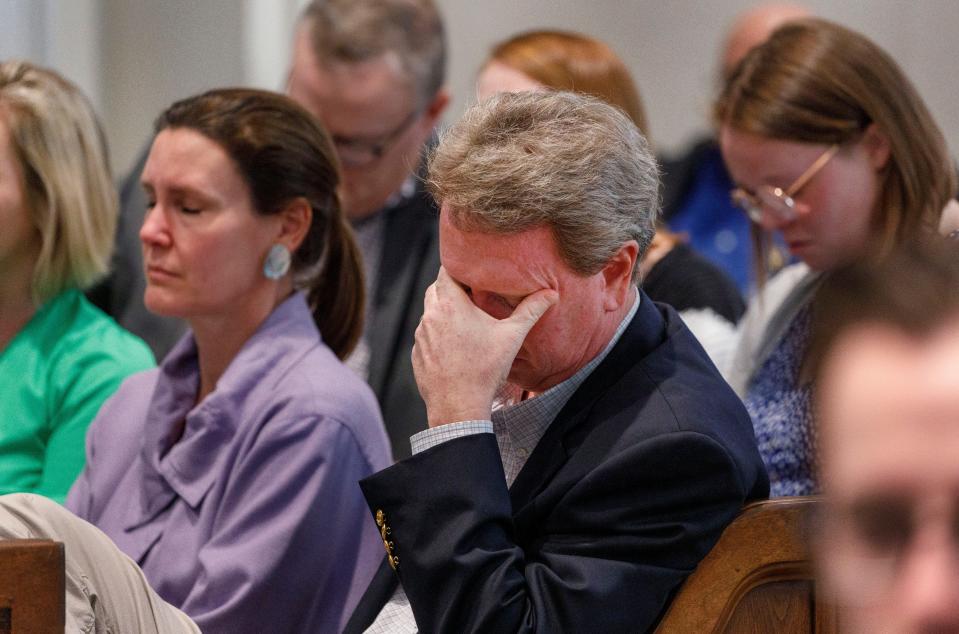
889,411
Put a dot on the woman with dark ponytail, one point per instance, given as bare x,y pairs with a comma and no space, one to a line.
229,474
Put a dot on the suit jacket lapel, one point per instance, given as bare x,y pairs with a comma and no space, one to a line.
643,334
406,236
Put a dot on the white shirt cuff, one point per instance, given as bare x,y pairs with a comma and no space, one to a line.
436,435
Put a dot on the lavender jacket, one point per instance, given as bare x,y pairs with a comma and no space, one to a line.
253,520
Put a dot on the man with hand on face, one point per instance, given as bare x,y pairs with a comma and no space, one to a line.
583,453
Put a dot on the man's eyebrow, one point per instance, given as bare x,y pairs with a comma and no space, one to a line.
512,299
462,285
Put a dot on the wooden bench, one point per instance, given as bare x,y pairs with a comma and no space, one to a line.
31,587
758,578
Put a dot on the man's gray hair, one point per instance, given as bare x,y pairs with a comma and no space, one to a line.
360,30
567,161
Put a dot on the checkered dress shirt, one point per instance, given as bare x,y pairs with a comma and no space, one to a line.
518,425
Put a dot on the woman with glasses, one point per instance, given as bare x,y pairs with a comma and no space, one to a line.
831,146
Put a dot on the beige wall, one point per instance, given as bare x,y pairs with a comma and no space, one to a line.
157,51
151,52
670,45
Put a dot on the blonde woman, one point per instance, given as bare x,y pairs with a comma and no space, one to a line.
60,357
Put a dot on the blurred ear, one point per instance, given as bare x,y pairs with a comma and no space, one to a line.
295,221
877,146
436,107
618,275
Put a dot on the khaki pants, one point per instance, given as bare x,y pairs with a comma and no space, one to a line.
106,590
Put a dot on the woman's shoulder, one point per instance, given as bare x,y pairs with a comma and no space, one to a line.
293,365
319,388
81,355
126,408
687,280
91,337
319,382
764,321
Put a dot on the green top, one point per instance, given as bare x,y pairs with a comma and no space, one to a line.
54,376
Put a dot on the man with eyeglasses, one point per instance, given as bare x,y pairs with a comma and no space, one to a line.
373,72
888,542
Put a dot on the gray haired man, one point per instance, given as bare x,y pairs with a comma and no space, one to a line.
583,454
373,72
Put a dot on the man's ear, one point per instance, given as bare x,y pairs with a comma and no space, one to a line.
618,275
877,146
435,108
295,221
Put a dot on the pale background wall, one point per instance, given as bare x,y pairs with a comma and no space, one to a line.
135,56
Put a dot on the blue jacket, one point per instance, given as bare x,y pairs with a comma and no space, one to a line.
627,491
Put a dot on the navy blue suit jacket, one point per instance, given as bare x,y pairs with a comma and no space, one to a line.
628,489
409,263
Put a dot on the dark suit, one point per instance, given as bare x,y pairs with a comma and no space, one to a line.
628,489
686,280
409,264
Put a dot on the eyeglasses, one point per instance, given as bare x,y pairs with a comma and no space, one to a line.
359,152
864,545
780,202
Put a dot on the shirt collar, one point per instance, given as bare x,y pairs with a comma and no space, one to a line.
405,192
525,422
188,467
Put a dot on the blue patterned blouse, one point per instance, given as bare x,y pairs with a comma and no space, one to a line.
781,410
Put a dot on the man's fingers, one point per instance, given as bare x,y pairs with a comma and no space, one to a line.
429,298
447,287
533,306
445,284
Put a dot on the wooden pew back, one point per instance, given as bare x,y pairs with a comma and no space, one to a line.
758,578
32,599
